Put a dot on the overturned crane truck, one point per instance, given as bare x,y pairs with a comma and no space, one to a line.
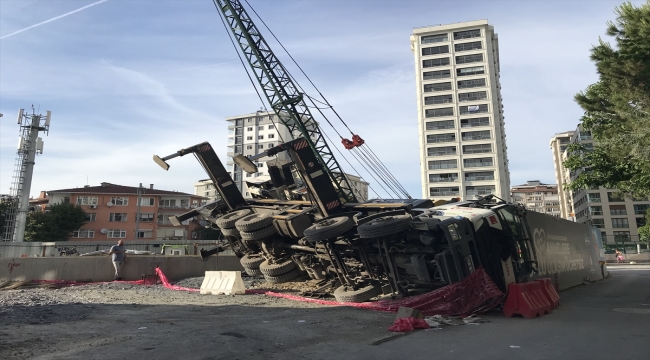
400,247
312,226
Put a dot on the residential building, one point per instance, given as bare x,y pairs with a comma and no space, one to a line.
558,144
112,211
460,113
617,216
206,189
537,196
251,134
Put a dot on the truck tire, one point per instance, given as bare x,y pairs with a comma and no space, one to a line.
277,268
384,226
328,228
253,272
258,234
283,277
251,261
230,232
228,221
346,294
253,222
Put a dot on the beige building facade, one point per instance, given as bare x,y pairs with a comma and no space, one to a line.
460,112
537,196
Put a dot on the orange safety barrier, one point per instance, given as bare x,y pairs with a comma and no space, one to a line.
549,292
527,300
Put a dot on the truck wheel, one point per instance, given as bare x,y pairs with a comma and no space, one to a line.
278,268
251,261
253,272
230,232
228,221
283,277
253,222
258,234
345,293
384,226
328,228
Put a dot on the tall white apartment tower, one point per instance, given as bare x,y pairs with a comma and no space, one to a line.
460,114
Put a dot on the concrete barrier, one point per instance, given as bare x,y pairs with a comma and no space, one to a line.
100,268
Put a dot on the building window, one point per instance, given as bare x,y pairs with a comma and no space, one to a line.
438,138
86,200
270,127
271,136
443,177
594,197
146,217
472,96
466,59
436,87
474,70
473,109
249,138
434,50
439,112
640,222
238,140
249,147
641,209
466,84
147,201
440,151
479,190
443,164
444,191
433,75
618,223
168,203
617,210
207,194
599,223
260,146
238,131
440,99
440,125
472,122
596,210
430,39
238,149
475,45
478,176
435,62
479,162
91,216
120,201
585,135
145,234
476,135
66,200
185,203
113,233
249,120
117,217
614,197
270,145
467,34
477,149
260,137
249,128
260,127
83,234
622,236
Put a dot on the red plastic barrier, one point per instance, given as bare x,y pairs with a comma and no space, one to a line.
165,282
549,292
408,324
526,299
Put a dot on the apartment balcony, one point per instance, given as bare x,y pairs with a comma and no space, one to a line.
173,207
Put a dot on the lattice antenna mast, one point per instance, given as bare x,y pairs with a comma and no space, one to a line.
29,144
281,92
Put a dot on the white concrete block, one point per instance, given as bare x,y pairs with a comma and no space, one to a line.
223,282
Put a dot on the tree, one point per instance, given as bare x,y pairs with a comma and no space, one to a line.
56,224
644,231
617,110
5,204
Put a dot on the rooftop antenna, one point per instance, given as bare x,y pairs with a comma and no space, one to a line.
29,145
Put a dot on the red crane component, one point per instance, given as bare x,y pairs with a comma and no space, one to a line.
355,142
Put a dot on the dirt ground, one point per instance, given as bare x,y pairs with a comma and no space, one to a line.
117,320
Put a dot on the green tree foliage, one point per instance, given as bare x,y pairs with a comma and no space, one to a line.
56,224
5,204
617,109
644,231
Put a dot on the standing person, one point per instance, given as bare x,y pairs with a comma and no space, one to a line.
619,256
119,257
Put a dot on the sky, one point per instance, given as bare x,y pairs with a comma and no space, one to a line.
126,79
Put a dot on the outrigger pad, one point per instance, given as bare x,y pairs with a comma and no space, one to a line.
161,162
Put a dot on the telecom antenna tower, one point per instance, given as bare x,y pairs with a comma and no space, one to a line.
29,144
